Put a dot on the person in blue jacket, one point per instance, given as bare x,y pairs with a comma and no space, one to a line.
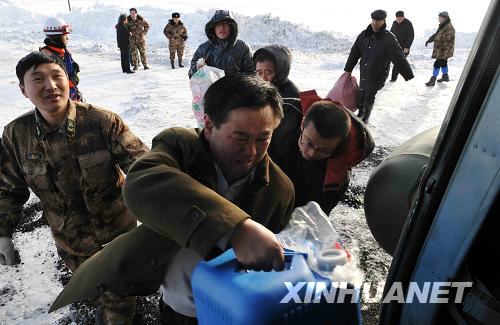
223,49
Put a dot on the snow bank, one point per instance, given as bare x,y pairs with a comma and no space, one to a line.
94,30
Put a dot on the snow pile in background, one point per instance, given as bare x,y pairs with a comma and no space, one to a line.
94,32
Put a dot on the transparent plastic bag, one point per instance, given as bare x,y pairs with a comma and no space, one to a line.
310,231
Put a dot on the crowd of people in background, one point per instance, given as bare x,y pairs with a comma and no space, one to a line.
266,147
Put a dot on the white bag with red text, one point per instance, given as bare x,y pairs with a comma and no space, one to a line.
199,83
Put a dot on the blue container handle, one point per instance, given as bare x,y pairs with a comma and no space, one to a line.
289,255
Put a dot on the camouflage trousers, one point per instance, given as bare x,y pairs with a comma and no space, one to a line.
136,46
176,47
115,309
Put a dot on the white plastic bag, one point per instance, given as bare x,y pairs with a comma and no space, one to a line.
199,83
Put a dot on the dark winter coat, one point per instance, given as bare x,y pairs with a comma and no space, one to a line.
404,33
122,36
324,181
231,55
444,41
172,191
282,60
377,51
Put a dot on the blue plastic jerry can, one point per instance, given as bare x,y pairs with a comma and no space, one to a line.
226,293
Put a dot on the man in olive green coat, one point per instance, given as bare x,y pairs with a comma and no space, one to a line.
198,193
73,156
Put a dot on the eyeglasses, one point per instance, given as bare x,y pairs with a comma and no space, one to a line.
322,152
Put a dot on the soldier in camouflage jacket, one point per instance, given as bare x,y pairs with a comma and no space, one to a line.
139,27
444,46
73,157
176,33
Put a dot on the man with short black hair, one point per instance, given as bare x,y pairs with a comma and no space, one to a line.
197,193
377,48
316,145
139,28
402,28
73,156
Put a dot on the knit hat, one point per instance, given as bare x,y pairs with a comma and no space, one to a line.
176,15
379,14
444,14
400,13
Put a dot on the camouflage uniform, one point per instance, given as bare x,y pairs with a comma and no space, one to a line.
139,28
76,172
176,34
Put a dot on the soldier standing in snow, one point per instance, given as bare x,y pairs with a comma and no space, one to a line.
377,47
402,28
123,41
272,63
139,27
444,46
176,33
73,156
223,49
57,31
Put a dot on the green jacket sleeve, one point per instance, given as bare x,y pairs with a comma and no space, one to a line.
13,187
171,202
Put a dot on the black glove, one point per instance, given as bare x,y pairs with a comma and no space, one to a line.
184,37
427,42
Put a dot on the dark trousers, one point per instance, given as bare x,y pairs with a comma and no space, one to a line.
365,101
125,58
395,71
171,317
440,63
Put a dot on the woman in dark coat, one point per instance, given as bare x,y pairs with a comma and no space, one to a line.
123,40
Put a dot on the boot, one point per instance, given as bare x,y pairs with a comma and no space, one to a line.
180,63
146,67
431,82
172,64
444,77
394,76
361,111
368,112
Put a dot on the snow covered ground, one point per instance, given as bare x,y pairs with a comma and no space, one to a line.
150,101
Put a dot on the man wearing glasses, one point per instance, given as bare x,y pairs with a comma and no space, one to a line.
316,145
